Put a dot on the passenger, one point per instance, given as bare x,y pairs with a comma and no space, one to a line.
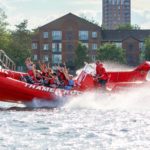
62,77
49,72
43,68
54,81
101,74
69,78
45,73
39,77
31,68
70,83
23,78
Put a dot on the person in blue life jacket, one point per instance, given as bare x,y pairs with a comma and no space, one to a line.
69,78
70,83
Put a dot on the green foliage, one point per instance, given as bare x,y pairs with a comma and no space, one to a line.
147,48
103,27
91,20
81,55
109,52
4,34
128,27
20,46
3,22
17,43
35,31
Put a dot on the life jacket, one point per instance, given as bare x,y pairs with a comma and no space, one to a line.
44,73
101,72
30,72
39,77
52,81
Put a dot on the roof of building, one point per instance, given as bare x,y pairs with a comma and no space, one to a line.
120,35
73,17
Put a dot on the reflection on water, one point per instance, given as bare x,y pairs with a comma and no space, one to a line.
74,128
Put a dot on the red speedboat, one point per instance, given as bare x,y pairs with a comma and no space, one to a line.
12,89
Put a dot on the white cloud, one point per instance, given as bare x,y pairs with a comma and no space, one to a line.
4,4
47,10
140,4
83,2
146,25
141,18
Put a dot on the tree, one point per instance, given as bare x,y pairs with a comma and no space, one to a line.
147,48
91,20
20,47
128,27
110,52
4,34
103,27
81,55
3,22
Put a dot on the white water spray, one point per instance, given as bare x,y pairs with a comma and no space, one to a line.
137,98
133,99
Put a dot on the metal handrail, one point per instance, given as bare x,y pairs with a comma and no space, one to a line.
6,62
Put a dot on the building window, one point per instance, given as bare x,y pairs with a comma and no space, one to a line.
56,58
70,59
118,44
69,35
127,3
83,35
35,57
94,34
130,59
56,47
141,46
85,44
131,47
110,1
93,58
45,35
94,46
45,46
34,45
122,2
45,58
57,35
69,48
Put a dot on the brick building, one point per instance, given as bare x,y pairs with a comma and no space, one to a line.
56,41
130,40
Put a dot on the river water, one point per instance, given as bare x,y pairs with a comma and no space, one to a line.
93,121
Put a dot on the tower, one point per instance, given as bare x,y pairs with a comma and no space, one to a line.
116,12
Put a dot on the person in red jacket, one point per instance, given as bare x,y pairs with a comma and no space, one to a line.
31,68
62,77
101,74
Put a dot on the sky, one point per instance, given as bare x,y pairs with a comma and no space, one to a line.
40,12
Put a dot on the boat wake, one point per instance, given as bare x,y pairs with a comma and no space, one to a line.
40,103
132,99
